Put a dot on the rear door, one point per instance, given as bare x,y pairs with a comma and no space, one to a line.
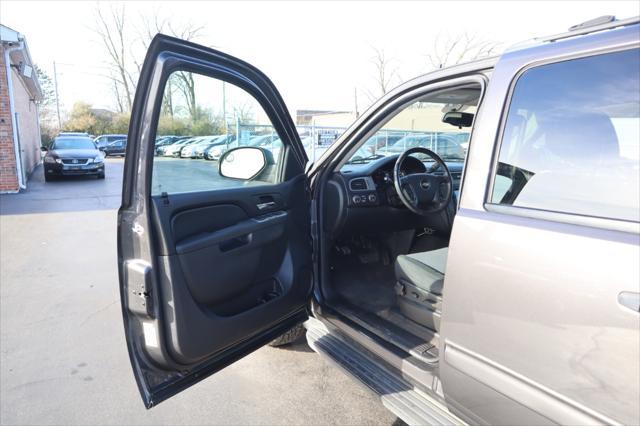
540,314
211,268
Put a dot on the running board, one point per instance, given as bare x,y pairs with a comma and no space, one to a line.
397,395
412,338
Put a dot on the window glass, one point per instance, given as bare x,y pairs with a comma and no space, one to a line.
73,143
201,118
420,124
572,138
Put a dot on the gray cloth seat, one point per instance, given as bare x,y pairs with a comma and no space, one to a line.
419,281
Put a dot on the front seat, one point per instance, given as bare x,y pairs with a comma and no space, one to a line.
419,281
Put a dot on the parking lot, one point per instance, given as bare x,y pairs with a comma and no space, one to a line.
63,355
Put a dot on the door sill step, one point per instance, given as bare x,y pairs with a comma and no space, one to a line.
420,342
397,395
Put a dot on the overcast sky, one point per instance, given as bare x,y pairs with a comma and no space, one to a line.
317,53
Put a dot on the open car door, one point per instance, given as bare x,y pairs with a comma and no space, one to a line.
212,266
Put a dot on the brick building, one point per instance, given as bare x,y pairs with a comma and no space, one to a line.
19,124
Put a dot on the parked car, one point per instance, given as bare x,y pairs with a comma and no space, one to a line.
74,134
214,152
201,148
516,302
72,155
118,147
189,150
104,140
187,147
445,145
164,141
173,149
380,141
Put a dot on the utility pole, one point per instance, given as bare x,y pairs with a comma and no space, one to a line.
224,107
55,82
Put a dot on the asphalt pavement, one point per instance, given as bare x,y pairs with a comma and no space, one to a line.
63,358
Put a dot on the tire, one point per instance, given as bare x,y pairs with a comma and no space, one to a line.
289,337
48,178
101,175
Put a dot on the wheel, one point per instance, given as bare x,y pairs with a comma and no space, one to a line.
289,337
48,178
101,175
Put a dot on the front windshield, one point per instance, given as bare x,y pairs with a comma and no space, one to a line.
420,125
73,143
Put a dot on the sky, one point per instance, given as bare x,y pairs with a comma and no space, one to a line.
319,54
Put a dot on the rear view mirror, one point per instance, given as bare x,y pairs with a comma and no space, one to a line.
244,163
458,119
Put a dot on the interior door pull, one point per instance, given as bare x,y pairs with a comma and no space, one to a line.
267,205
630,300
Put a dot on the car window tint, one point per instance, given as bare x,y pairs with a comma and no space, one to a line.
205,118
571,141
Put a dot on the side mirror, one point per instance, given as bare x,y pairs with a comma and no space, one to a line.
243,163
44,149
458,119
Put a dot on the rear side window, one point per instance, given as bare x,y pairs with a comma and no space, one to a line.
571,141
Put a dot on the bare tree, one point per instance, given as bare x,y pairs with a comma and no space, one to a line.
117,95
244,113
385,73
450,50
111,27
182,82
146,32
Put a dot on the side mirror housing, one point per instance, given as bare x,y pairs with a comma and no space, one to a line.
44,149
244,163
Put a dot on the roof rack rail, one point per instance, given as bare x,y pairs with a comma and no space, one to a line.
594,25
593,22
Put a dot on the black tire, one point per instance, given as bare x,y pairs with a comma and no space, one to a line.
101,175
48,178
289,337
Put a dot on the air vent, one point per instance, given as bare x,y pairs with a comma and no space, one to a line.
359,184
456,175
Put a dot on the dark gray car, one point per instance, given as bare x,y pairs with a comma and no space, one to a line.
72,156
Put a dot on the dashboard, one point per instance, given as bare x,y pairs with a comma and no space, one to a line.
362,197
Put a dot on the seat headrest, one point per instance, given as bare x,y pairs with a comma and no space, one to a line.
585,135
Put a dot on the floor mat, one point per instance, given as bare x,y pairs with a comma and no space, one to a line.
369,286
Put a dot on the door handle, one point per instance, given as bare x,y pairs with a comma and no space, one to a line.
267,205
234,243
630,300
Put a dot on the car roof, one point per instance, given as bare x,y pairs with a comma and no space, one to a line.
72,137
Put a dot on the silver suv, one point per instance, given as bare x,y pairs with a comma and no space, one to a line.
497,286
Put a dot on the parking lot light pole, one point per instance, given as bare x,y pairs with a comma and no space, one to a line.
55,84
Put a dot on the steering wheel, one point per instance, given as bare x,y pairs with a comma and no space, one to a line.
422,192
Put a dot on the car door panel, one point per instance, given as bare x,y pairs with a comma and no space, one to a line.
532,331
208,276
251,244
